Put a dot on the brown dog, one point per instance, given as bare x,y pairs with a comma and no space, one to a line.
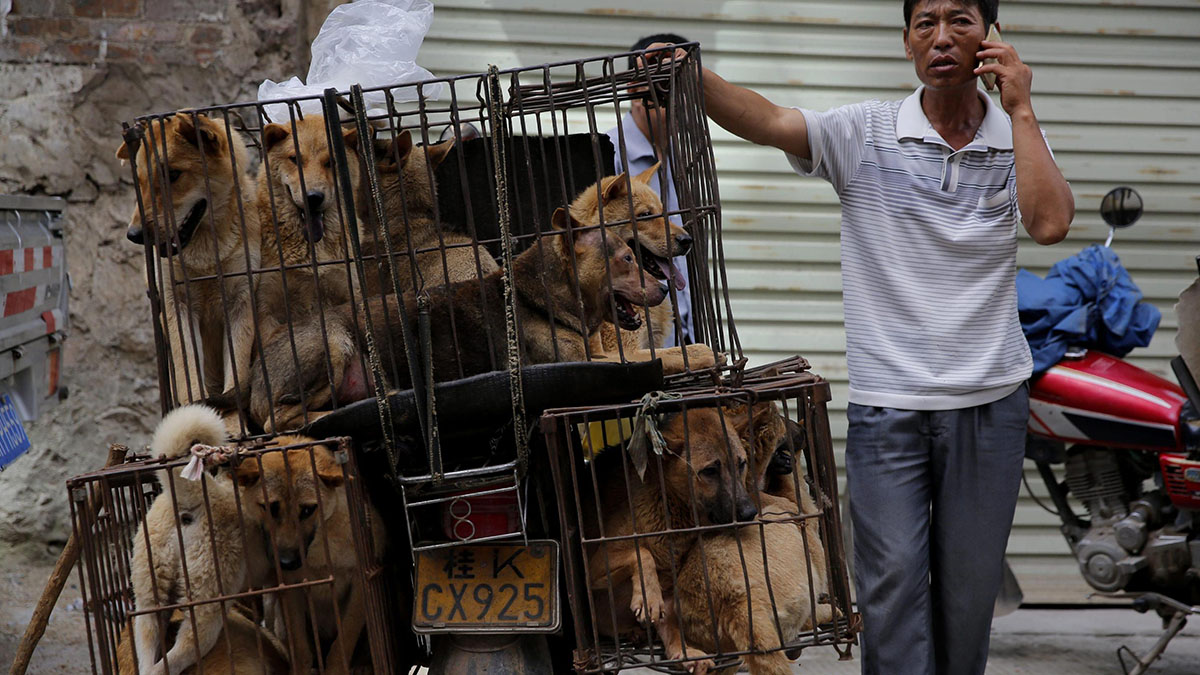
563,290
302,498
409,201
194,189
704,471
301,222
760,602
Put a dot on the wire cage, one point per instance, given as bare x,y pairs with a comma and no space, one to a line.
702,526
238,572
309,253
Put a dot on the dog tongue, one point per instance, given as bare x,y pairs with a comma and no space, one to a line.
316,226
674,274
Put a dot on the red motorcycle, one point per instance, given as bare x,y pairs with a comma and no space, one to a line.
1113,427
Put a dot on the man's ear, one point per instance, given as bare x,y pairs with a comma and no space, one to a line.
399,147
618,186
199,131
273,134
437,153
907,50
644,177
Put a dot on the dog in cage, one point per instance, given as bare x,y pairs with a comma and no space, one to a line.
699,480
196,543
300,493
242,648
197,199
757,588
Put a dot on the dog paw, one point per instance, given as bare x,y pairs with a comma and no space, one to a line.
701,356
698,667
649,607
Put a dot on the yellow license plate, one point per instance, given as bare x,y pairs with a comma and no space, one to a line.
487,588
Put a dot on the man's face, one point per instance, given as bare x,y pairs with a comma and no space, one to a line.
941,40
655,121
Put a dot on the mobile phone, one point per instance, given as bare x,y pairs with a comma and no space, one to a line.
989,79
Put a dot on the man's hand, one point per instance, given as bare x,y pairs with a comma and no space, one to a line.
1012,75
663,52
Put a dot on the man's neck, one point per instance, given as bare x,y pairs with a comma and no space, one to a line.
641,119
956,114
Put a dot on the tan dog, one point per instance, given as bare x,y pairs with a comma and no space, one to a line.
214,549
302,222
409,198
243,648
194,189
557,306
704,472
659,241
302,498
760,602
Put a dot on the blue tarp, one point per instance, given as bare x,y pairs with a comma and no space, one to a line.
1086,300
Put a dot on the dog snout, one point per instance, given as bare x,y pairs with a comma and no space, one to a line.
685,243
314,199
135,234
289,559
746,510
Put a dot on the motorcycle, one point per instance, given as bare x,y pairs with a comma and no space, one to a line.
1112,427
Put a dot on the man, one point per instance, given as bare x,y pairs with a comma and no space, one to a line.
932,189
645,133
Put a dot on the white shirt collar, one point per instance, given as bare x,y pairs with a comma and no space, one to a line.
995,131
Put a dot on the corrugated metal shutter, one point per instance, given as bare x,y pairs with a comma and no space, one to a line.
1117,90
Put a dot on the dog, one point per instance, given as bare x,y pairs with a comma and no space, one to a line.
301,222
409,195
563,289
704,471
243,648
220,547
759,602
658,242
195,187
306,512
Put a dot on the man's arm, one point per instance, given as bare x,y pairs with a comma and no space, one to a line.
1043,195
750,115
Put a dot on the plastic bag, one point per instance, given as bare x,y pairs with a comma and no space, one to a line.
370,42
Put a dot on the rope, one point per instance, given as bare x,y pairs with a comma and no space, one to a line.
500,173
206,456
645,430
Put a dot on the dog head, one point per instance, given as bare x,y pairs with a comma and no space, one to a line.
304,182
293,492
660,240
407,175
707,463
178,200
607,265
762,429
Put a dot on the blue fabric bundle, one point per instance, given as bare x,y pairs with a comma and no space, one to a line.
1086,300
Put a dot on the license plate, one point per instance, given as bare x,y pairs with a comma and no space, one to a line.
13,441
487,588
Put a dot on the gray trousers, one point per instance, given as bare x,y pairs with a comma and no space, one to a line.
932,495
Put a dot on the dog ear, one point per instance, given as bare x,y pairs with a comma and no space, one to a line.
617,187
437,153
329,471
272,134
248,472
560,219
400,147
123,152
644,177
350,136
200,131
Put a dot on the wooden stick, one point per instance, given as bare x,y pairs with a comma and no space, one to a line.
54,585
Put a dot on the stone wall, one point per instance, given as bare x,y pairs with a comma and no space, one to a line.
71,71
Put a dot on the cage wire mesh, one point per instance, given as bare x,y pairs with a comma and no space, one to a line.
242,571
702,526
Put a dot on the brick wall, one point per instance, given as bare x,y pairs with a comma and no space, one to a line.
150,32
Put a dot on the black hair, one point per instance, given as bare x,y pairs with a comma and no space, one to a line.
988,9
669,38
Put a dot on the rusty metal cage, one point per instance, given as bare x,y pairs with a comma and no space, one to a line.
247,559
308,253
673,555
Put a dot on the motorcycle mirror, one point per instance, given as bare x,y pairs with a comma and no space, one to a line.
1120,208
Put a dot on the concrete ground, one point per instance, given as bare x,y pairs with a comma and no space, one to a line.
1026,642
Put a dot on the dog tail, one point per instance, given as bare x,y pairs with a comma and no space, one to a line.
184,427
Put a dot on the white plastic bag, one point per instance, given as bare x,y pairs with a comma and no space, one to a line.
369,42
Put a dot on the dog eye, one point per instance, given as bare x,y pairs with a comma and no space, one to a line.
292,159
742,465
629,258
711,471
274,509
307,510
174,174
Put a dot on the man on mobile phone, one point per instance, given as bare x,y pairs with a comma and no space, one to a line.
932,190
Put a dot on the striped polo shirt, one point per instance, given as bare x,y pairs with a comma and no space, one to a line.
929,246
